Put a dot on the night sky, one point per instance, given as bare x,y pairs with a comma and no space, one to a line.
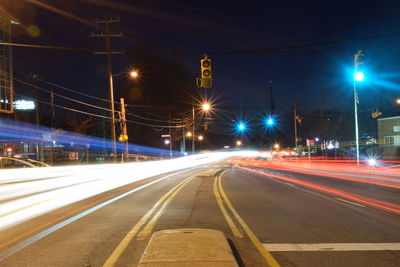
183,29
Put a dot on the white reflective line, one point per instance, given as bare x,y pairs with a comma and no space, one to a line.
333,247
17,247
349,202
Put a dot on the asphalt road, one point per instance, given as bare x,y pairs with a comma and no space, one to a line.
266,220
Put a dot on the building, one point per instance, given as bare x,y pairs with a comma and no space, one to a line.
389,135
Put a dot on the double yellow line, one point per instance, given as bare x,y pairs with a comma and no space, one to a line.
223,199
164,201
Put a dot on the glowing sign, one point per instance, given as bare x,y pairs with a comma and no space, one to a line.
24,105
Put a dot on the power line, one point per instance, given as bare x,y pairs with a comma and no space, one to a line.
274,49
64,97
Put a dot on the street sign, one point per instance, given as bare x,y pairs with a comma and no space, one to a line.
165,135
310,142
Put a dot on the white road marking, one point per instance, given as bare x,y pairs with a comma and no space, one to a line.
349,202
333,247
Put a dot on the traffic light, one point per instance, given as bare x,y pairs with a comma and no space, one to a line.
270,121
298,120
241,126
205,81
205,64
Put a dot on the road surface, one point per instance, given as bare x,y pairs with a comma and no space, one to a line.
305,220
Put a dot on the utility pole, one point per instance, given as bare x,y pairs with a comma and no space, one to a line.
107,34
124,128
6,63
295,125
322,102
193,135
170,137
53,113
183,139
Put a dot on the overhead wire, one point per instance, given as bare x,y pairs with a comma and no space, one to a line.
62,96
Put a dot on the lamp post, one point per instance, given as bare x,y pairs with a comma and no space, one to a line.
206,107
358,77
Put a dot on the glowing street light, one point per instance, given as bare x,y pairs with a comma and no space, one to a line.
206,107
166,141
134,74
201,138
398,101
276,146
359,76
238,143
189,134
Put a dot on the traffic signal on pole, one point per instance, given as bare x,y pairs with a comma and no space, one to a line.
205,65
205,81
298,120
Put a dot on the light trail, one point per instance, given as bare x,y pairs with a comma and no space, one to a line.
333,170
354,197
51,188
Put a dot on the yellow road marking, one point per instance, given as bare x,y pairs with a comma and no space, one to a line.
267,256
232,225
132,233
150,225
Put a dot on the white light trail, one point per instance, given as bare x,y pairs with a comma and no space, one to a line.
27,193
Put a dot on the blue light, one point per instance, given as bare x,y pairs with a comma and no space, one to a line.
270,121
241,126
359,76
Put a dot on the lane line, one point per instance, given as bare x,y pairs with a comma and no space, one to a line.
116,254
235,230
350,202
391,207
150,225
264,252
17,247
333,247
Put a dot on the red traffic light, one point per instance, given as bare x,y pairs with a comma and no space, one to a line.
9,149
206,63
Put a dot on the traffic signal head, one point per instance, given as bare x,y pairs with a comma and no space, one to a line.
270,121
241,126
205,65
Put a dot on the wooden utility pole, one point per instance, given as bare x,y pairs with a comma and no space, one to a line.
53,113
295,125
124,128
107,35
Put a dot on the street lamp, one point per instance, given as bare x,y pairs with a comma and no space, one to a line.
201,138
238,143
358,77
206,107
276,146
134,74
398,101
189,134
